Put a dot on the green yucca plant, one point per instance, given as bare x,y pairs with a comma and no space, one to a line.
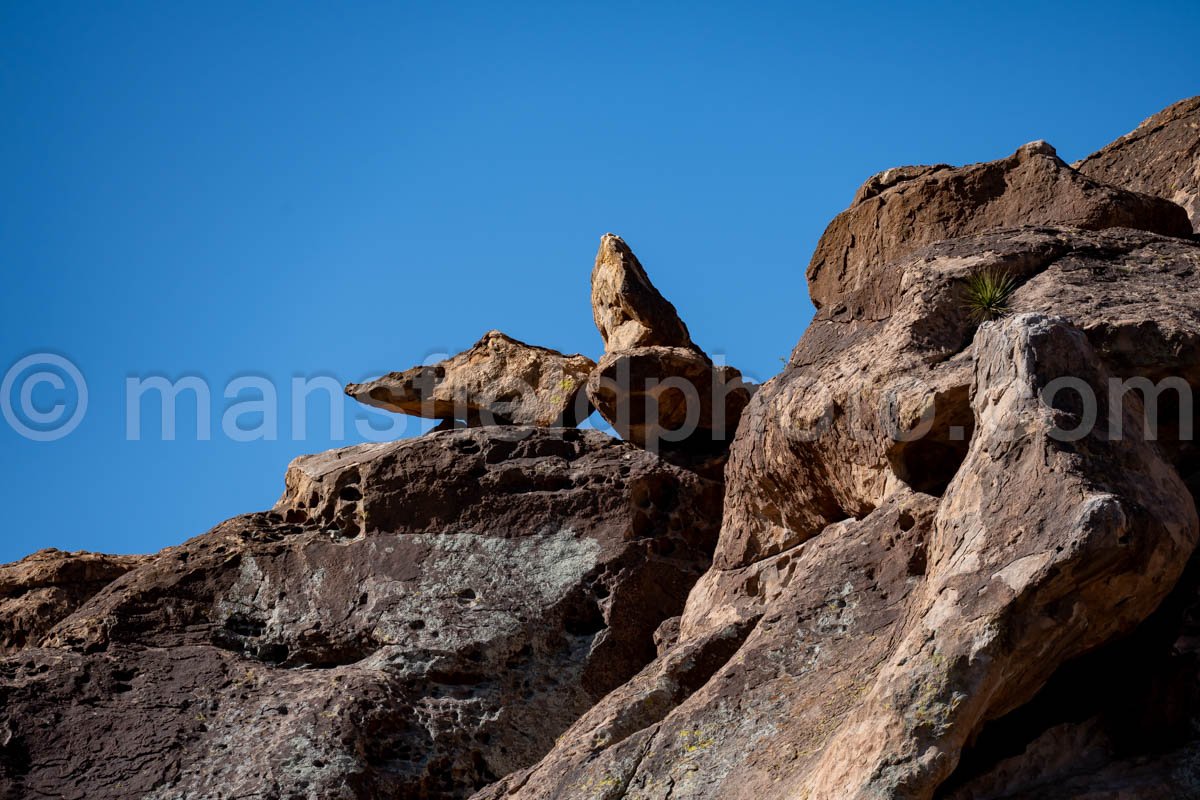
986,294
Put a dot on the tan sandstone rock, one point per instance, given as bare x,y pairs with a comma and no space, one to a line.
498,381
867,402
628,310
858,664
1160,157
41,589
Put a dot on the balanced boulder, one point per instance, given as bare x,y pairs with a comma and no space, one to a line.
498,381
654,385
628,310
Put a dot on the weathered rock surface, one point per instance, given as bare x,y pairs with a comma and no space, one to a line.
414,619
901,210
669,397
654,385
1160,157
498,381
875,651
875,604
41,589
872,399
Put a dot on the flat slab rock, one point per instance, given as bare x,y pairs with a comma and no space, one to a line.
499,380
496,583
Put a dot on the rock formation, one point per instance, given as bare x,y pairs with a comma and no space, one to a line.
1161,157
901,210
654,385
949,558
484,588
628,310
498,381
39,590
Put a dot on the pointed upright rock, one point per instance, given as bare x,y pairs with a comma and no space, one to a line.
628,310
654,385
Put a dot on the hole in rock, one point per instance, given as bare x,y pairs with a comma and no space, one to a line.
928,463
585,619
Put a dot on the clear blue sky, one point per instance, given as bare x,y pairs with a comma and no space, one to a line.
288,189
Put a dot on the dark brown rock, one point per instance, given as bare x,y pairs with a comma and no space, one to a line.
902,210
669,397
414,619
1160,157
498,381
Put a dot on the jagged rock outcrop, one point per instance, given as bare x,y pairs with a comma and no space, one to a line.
498,381
654,385
904,209
1160,157
43,588
484,589
956,560
872,400
884,627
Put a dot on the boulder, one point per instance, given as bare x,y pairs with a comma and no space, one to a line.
654,385
628,310
498,381
669,397
41,589
414,619
1161,157
901,210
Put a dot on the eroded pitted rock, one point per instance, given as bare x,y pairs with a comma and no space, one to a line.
415,619
498,381
1160,157
902,210
41,589
654,385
